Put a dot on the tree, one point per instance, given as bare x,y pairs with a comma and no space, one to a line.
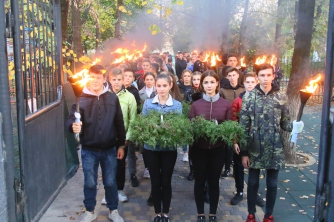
300,65
243,29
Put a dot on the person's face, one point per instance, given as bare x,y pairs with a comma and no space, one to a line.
128,78
187,78
146,66
180,56
232,61
266,77
209,85
96,82
193,59
186,54
233,78
196,81
250,83
202,57
116,82
149,81
163,87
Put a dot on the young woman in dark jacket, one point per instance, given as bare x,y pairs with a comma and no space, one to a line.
208,158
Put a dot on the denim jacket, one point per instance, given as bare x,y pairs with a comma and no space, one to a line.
171,105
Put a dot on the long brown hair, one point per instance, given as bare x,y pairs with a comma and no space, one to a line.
214,75
174,91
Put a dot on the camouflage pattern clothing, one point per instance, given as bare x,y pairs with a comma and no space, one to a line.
263,116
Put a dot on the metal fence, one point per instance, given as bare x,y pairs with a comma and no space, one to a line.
38,55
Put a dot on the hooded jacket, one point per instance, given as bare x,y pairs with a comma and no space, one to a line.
200,66
142,93
180,65
102,121
212,108
129,108
236,106
135,93
230,93
263,116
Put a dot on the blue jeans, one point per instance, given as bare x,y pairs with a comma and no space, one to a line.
90,163
253,187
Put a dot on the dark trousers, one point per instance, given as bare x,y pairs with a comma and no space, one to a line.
208,164
161,165
228,158
190,153
253,186
238,170
120,175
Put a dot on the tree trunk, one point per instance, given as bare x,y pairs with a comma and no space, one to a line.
118,23
76,31
64,15
278,31
243,30
300,65
226,18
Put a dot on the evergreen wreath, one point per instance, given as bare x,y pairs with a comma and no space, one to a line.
175,130
229,131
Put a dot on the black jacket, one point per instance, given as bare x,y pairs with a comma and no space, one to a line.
135,93
187,93
180,65
102,121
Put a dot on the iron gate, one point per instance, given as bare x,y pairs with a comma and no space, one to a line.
38,105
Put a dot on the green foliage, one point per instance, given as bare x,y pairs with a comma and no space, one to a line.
175,130
228,131
186,109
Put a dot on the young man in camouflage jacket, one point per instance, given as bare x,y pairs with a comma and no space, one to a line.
263,114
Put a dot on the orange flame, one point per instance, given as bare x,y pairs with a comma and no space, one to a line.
260,60
242,63
83,76
312,85
272,60
214,59
126,55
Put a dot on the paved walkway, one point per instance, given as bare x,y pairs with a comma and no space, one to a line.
295,198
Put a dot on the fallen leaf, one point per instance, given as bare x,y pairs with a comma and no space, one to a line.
285,181
304,181
303,197
72,218
293,205
282,198
312,195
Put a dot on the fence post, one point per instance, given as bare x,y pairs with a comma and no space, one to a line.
7,127
3,196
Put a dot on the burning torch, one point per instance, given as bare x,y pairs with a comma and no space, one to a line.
242,64
305,94
78,81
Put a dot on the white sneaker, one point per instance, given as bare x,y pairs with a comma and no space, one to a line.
146,173
185,157
89,217
122,197
114,216
103,201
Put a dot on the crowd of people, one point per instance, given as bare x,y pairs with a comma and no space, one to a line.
116,95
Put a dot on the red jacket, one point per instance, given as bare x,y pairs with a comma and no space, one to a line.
236,106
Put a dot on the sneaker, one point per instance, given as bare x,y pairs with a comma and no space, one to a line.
165,218
201,219
122,197
250,218
225,174
115,217
191,175
259,201
157,218
88,217
185,157
134,181
212,218
146,173
150,201
103,201
269,219
237,198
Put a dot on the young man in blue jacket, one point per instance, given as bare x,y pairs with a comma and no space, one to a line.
101,129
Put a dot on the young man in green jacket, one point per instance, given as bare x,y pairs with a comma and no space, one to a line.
263,114
129,109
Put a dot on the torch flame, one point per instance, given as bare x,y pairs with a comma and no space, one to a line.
144,47
313,85
272,60
260,60
125,54
242,63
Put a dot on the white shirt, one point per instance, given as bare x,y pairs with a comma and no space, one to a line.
148,91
